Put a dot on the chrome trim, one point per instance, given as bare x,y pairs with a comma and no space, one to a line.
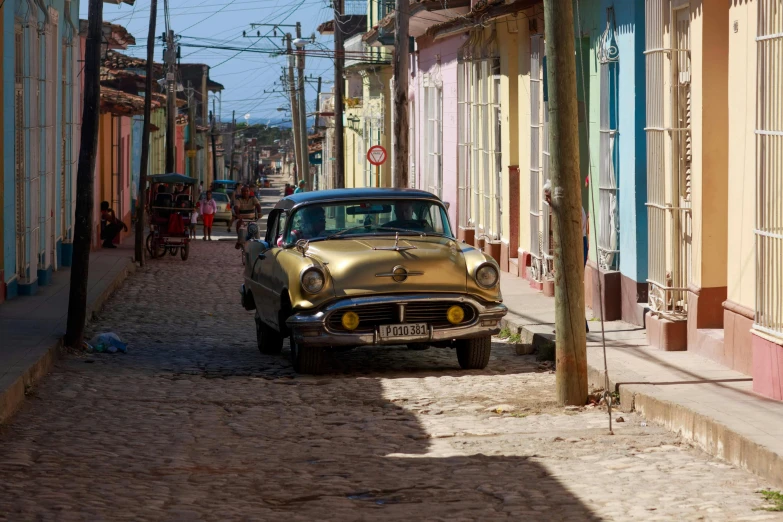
399,271
482,265
316,321
304,271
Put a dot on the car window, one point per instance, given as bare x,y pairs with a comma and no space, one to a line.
368,217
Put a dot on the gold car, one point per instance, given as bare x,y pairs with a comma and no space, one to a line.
356,267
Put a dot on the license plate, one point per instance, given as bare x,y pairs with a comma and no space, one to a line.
392,331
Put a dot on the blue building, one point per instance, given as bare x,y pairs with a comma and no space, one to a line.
41,53
610,50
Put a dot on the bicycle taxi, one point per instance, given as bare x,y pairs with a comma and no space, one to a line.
170,203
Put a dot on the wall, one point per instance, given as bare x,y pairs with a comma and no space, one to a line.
3,169
508,35
523,135
741,266
709,20
446,71
632,143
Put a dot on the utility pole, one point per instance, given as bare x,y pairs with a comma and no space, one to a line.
212,136
233,137
339,86
317,118
192,131
171,106
145,138
295,121
82,236
571,349
300,64
401,44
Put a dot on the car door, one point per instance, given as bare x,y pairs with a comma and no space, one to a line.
267,292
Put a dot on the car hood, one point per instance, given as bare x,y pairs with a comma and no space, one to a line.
356,267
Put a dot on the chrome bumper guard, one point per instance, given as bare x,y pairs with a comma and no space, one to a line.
310,329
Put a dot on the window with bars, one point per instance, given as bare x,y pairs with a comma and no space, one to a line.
463,142
433,137
608,210
669,149
540,241
20,173
769,169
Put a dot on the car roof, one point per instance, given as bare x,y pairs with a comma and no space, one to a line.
336,195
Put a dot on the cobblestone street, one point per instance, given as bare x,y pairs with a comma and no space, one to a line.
194,423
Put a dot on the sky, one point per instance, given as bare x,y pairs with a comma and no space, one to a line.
244,75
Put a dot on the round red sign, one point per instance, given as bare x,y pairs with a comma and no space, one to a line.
376,155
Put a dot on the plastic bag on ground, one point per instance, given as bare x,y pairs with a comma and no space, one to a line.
109,342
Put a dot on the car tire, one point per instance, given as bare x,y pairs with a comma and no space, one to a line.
269,340
473,354
307,359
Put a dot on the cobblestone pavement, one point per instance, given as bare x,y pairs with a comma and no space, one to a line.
193,423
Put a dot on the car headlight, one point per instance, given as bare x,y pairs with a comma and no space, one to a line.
252,231
313,280
487,276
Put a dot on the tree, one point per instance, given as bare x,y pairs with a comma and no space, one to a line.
82,227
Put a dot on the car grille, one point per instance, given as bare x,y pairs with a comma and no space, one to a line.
373,315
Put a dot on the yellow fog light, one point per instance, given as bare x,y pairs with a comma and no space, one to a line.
455,314
350,321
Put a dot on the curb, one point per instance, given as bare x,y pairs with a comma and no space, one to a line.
11,398
711,436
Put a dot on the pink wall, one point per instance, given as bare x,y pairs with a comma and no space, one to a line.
427,62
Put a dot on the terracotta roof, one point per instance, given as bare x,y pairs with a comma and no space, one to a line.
326,28
115,35
122,103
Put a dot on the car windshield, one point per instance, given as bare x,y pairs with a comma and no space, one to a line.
368,218
217,196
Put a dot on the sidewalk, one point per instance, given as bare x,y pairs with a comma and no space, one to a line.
32,327
705,402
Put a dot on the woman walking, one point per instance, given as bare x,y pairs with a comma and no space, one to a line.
208,209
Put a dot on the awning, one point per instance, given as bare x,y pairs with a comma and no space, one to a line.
172,177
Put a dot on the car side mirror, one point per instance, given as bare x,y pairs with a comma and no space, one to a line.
447,204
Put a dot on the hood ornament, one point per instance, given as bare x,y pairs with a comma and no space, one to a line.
396,247
302,245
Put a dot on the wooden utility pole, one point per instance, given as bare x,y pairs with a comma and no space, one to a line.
315,125
212,134
571,351
145,137
82,228
295,121
300,65
231,141
401,44
171,105
192,132
339,87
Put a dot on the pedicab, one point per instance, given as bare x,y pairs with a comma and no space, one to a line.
169,214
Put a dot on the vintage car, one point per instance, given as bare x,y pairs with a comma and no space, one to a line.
356,267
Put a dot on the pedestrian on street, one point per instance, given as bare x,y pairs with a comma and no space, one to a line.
208,209
246,207
301,187
288,190
110,226
193,221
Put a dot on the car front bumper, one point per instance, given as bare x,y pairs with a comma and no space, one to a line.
311,329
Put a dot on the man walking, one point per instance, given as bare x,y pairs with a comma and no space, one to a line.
245,207
301,187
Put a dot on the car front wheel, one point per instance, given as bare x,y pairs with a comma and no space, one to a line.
269,340
307,359
473,354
